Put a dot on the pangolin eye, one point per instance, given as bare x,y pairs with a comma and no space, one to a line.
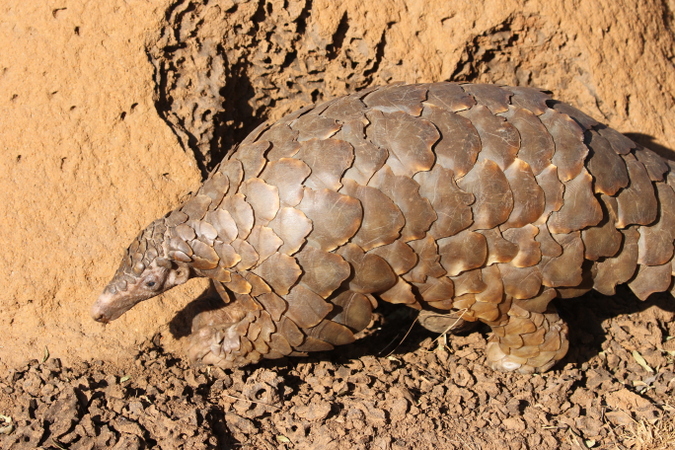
150,284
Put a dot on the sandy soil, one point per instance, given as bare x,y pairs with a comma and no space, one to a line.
113,111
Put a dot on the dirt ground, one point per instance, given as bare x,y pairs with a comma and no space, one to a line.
114,111
389,391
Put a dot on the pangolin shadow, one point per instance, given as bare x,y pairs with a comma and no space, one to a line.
397,332
586,314
649,141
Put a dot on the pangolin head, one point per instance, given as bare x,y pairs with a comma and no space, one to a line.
145,272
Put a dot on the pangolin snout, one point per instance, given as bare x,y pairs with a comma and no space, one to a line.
97,312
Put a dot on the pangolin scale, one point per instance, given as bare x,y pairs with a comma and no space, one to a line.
468,201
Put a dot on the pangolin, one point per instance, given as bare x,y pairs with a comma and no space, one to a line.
469,201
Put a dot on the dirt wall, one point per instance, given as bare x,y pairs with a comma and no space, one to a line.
112,112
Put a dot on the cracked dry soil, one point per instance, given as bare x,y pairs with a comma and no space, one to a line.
387,391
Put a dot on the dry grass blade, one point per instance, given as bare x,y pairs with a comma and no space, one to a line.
644,435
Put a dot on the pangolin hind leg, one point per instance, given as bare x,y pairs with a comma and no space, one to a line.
526,341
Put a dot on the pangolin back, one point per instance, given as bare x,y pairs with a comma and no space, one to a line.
482,201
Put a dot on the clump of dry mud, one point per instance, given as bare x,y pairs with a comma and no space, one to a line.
613,391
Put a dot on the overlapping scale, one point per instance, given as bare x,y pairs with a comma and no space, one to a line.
493,196
327,159
565,269
331,332
280,271
437,292
287,175
335,217
273,304
284,141
234,172
263,198
223,223
292,226
494,290
521,282
408,139
382,220
637,202
400,256
405,193
528,250
368,157
606,166
173,219
500,140
370,273
306,308
449,96
650,279
439,189
528,198
536,144
352,309
655,165
252,157
241,211
215,187
407,99
248,255
204,257
323,272
553,189
655,245
496,99
228,257
602,240
401,293
460,142
265,242
469,282
580,208
464,251
570,150
258,285
313,126
428,261
499,249
620,143
345,109
534,100
196,207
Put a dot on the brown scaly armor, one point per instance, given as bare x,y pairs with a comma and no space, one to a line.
468,200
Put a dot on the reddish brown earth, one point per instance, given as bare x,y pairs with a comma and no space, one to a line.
112,112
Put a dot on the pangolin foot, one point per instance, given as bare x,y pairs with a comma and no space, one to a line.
528,342
217,340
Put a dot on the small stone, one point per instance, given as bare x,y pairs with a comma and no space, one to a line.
240,424
317,410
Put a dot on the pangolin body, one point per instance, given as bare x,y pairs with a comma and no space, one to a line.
482,201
